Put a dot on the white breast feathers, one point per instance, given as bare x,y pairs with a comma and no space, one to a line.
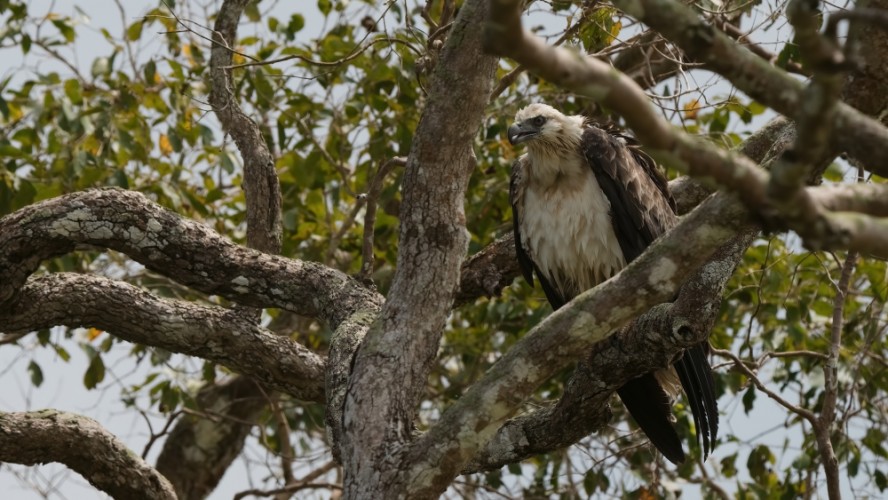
566,227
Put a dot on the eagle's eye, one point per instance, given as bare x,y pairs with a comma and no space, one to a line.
539,121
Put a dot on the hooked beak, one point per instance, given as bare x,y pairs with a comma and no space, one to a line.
522,132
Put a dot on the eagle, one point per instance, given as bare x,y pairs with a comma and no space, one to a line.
586,201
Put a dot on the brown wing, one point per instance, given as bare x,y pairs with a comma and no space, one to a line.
641,207
641,210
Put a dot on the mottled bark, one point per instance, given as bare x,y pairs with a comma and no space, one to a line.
84,446
181,249
130,313
487,272
394,360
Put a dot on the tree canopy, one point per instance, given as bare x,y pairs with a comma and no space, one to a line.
281,234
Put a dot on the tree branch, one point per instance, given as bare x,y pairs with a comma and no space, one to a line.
859,135
260,183
85,447
402,344
824,424
182,249
130,313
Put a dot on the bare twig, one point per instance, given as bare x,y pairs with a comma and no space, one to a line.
370,199
283,435
741,366
735,33
824,424
354,55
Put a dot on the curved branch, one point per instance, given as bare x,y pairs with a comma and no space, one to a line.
127,312
85,447
181,249
260,183
861,136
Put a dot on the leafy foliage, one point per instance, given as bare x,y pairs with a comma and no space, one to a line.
334,104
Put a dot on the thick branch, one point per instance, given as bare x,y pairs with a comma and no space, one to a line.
181,249
392,364
130,313
84,446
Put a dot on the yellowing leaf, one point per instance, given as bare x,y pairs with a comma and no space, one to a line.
691,108
237,58
92,333
165,147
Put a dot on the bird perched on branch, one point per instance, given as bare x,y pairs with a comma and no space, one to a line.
585,202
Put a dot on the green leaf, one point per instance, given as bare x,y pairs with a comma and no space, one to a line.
36,374
64,26
729,465
759,463
134,32
595,480
101,66
297,22
789,53
95,373
72,90
325,7
881,480
748,399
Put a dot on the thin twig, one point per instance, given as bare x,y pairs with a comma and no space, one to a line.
367,257
824,424
358,51
738,363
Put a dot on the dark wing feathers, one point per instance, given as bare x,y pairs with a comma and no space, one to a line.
651,408
515,197
641,210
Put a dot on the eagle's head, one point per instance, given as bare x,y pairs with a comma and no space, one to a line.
545,128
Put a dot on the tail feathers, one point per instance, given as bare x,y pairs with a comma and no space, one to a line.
650,406
696,379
